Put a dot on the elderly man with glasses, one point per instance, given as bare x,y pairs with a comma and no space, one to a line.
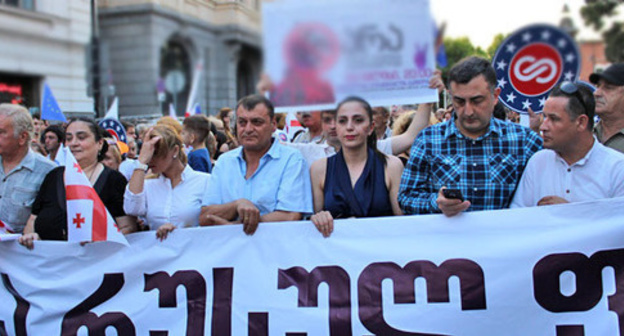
574,166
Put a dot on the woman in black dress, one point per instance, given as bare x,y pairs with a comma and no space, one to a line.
359,181
48,221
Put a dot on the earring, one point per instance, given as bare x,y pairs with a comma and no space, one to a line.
175,156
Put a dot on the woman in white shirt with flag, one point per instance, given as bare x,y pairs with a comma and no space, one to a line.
172,199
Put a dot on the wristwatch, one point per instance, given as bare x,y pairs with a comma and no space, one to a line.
140,166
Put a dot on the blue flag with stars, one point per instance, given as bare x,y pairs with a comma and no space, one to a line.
531,62
114,128
50,109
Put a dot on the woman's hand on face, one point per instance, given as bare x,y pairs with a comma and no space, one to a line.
149,145
28,240
164,230
324,222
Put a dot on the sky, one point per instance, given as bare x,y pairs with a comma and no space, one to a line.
481,20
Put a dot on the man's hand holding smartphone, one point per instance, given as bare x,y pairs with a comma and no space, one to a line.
451,201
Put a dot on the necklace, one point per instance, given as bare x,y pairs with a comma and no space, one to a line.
93,172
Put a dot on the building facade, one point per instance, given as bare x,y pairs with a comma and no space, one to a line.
593,58
153,53
44,41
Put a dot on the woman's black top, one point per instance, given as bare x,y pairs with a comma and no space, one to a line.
50,206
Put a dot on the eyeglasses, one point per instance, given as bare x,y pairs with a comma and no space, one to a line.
571,88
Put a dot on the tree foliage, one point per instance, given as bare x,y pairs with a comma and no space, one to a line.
594,14
496,42
458,48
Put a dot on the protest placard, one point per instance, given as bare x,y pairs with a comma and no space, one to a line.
319,52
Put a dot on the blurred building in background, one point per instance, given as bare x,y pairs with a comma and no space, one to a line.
590,43
150,50
44,41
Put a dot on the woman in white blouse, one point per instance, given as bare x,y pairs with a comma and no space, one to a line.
172,199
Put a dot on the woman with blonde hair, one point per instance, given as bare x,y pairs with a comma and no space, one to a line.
172,197
401,124
226,115
112,157
171,122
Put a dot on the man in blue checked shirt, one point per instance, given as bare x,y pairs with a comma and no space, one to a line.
481,156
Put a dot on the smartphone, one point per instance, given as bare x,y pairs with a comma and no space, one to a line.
453,194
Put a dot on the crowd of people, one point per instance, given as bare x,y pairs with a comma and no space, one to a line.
354,161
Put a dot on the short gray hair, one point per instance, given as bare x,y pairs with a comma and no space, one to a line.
20,118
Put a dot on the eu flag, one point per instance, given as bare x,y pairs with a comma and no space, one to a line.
50,109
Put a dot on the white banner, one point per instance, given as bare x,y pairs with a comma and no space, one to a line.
555,270
319,52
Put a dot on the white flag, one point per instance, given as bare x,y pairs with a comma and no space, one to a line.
172,112
192,98
113,111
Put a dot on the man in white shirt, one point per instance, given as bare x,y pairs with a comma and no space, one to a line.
574,167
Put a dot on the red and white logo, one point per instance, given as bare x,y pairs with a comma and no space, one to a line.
535,69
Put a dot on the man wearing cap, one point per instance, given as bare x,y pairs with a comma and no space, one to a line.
610,106
574,167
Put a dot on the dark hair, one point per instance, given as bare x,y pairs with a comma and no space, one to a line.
575,107
223,112
250,102
332,112
56,129
97,133
371,140
470,67
500,111
36,115
199,125
127,124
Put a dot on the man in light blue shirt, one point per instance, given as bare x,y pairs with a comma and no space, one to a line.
262,180
21,170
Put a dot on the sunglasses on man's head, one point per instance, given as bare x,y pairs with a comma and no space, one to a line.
572,89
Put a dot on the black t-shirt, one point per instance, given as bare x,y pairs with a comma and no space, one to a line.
50,206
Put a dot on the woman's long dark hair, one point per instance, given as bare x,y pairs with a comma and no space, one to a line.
97,133
371,140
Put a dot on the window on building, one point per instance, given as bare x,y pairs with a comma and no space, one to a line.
25,4
244,80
